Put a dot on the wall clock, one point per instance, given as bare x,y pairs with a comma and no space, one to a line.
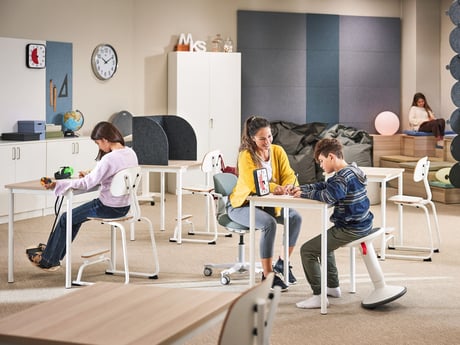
104,61
36,55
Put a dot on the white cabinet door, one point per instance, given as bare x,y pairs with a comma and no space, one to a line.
205,89
22,162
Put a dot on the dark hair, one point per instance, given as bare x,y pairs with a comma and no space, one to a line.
251,126
418,96
328,145
105,130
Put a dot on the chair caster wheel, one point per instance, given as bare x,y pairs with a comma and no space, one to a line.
225,280
207,271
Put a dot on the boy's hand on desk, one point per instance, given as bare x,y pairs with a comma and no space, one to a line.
50,185
295,192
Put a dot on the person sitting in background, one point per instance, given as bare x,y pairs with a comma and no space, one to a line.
422,119
352,218
257,151
113,156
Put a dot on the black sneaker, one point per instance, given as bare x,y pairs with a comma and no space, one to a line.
279,268
277,281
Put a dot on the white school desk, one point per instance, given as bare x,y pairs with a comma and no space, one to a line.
287,201
118,314
34,187
179,168
382,176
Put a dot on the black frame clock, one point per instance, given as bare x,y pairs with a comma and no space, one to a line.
35,55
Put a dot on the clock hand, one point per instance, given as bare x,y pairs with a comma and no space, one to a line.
108,59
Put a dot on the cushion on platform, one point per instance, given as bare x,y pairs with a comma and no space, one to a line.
423,134
441,184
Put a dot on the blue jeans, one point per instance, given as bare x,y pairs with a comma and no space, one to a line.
56,247
266,222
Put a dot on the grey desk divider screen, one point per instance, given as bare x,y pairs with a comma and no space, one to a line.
159,138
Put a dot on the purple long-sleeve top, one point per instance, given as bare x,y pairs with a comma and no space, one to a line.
102,176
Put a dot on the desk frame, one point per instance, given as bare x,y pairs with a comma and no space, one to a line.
288,202
383,175
179,168
34,187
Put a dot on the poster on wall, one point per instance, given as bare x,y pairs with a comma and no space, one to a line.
58,81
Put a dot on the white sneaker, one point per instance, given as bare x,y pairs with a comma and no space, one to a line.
334,292
314,302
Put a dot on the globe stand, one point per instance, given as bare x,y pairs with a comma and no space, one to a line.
70,134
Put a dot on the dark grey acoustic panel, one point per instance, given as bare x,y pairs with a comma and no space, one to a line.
270,30
274,103
273,65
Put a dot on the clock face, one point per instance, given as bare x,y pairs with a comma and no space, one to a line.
104,61
36,55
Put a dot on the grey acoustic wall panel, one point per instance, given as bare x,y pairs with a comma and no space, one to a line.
315,67
370,73
273,65
322,77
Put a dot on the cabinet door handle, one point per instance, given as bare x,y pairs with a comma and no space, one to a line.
18,155
77,146
13,153
211,123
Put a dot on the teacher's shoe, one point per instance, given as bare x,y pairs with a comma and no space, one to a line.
314,302
277,281
279,268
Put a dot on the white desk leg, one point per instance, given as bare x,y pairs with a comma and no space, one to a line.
286,246
162,201
179,206
383,211
10,238
68,257
324,261
252,247
400,209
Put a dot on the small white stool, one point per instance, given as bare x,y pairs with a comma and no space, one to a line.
382,293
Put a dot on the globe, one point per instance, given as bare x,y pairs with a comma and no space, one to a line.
72,121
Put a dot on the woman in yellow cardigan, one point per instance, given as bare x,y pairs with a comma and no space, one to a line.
257,151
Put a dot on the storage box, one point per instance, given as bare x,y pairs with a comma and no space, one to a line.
32,126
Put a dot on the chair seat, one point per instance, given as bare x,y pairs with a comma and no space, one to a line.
106,220
226,222
371,236
198,189
406,199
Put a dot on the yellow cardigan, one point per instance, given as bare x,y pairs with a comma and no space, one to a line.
245,186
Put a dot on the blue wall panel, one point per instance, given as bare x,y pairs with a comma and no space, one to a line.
322,68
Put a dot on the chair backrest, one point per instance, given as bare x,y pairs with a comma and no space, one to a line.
250,317
211,164
421,171
126,182
223,186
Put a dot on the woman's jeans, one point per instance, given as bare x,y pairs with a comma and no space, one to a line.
56,247
266,222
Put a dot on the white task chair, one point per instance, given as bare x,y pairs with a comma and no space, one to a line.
223,186
210,165
125,182
249,319
382,293
420,175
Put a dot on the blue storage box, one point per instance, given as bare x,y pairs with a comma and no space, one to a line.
32,126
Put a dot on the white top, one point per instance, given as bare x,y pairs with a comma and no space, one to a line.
102,175
418,115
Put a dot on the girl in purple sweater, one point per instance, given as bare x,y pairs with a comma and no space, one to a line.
113,156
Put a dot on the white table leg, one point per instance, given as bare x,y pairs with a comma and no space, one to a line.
286,245
11,238
162,201
68,258
179,206
252,230
383,211
400,209
324,261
